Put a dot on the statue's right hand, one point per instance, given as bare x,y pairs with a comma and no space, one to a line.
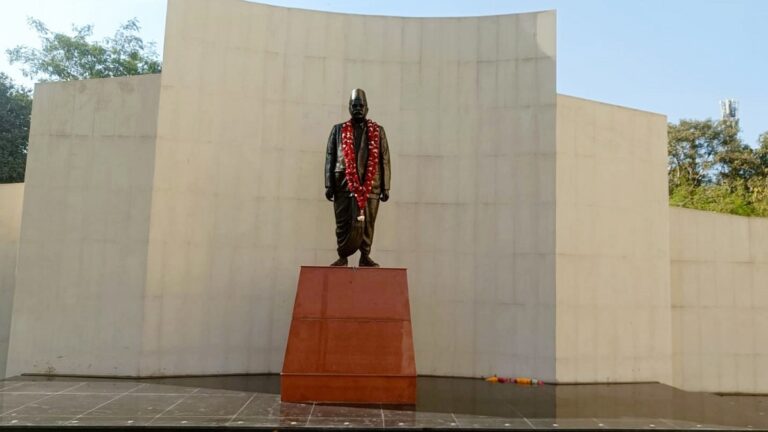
329,194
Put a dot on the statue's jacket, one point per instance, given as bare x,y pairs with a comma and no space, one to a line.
335,176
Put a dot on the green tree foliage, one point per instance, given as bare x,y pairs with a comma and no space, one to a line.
15,110
72,57
711,168
63,57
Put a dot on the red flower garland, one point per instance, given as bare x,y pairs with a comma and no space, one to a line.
350,161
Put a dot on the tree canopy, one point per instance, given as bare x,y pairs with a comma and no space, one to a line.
63,57
711,168
74,56
15,110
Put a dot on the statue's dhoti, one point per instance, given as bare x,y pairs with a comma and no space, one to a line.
351,234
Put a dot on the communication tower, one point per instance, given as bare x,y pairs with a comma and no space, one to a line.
729,109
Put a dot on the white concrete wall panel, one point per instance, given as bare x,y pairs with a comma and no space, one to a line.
81,272
11,199
719,301
613,295
249,95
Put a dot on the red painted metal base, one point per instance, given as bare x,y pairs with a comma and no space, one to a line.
350,338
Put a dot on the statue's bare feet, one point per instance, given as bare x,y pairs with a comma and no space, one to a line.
341,262
366,261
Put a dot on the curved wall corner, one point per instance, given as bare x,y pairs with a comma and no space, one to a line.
249,95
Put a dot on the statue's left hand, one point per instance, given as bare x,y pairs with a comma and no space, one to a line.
384,196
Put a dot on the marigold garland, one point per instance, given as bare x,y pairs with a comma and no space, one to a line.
360,192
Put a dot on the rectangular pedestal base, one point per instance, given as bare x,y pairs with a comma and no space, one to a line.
348,389
350,339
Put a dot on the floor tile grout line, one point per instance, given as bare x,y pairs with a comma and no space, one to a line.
518,413
172,406
101,405
309,417
44,398
381,410
241,409
529,423
136,388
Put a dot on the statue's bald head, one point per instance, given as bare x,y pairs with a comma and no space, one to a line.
358,104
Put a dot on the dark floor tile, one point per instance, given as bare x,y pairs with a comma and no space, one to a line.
533,411
565,423
147,388
34,420
63,405
209,405
137,405
689,425
346,422
6,385
629,406
482,422
272,407
269,421
340,411
635,423
12,401
44,387
398,408
220,392
417,415
242,383
420,424
114,387
110,421
191,421
406,419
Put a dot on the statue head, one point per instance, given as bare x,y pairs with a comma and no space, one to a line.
358,105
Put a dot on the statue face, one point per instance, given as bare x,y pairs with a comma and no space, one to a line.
358,105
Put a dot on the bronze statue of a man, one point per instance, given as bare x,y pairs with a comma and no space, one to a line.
357,172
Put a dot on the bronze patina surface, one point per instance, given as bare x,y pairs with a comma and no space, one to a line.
353,234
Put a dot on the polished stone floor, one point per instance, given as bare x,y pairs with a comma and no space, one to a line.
442,403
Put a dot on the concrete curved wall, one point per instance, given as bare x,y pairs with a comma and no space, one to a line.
80,277
613,301
11,195
719,301
249,95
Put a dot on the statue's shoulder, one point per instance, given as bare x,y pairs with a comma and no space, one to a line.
336,130
379,125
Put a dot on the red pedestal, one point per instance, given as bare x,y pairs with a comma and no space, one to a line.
350,338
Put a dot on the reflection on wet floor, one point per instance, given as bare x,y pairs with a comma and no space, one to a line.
441,403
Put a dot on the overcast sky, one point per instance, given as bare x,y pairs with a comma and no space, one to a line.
675,57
